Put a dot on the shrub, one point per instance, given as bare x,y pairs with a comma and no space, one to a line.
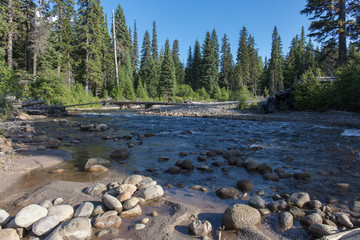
221,94
243,96
203,95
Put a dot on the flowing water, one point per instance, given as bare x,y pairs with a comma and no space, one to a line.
330,154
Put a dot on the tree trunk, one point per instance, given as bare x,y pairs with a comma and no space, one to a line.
115,52
34,63
10,34
342,31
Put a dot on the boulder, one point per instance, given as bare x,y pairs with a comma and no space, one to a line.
321,230
4,217
97,189
133,179
45,225
112,203
109,219
315,204
97,161
344,220
278,205
286,220
239,216
84,210
29,215
244,185
76,228
311,218
120,154
265,168
135,211
299,199
63,212
151,192
252,165
227,193
126,188
257,202
9,234
130,203
200,228
297,212
271,176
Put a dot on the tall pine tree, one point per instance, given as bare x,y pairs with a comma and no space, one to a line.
209,68
275,81
167,74
226,64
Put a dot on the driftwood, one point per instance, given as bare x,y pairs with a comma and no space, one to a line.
32,103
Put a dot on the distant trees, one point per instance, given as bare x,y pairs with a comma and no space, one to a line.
276,79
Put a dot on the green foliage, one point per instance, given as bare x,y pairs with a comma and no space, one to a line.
141,91
116,93
202,95
9,85
185,91
167,75
221,94
348,85
209,68
310,94
78,95
244,96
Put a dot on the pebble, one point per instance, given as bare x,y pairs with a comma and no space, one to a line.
299,199
135,211
315,204
46,204
108,220
4,217
130,203
311,218
344,220
264,211
239,216
139,226
151,192
145,220
154,214
227,193
133,179
58,201
9,234
278,205
122,197
244,185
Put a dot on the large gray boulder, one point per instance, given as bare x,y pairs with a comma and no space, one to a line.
9,234
84,210
239,216
29,215
45,225
63,212
321,230
112,203
76,228
299,199
151,192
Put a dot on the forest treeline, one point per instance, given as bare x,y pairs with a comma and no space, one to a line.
64,52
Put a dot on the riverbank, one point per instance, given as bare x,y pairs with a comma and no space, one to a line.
329,118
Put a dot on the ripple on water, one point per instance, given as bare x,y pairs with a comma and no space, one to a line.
351,133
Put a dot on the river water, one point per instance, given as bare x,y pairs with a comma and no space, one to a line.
330,154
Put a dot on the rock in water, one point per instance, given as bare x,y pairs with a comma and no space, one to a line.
321,230
97,161
239,216
300,199
200,228
227,193
29,215
9,234
45,225
120,154
244,185
257,202
286,220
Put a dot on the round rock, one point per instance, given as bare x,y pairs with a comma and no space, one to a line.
257,202
45,225
29,215
63,212
84,210
130,203
244,185
133,179
227,193
240,216
135,211
109,219
112,203
299,199
97,161
151,192
286,220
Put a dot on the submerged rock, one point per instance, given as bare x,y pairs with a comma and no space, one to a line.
244,185
227,193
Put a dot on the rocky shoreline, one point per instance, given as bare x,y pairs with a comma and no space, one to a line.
116,207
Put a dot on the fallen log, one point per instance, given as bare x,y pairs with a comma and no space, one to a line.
32,103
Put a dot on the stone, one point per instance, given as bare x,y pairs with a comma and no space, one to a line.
151,192
173,170
344,220
112,203
311,218
63,212
76,228
46,203
200,228
265,168
154,214
4,217
97,161
145,220
342,185
227,193
232,153
315,204
145,184
45,225
52,143
9,234
97,168
299,199
355,206
187,165
58,201
133,179
139,226
321,230
130,203
264,211
120,154
286,220
285,175
122,197
301,175
198,188
126,188
109,219
257,202
331,200
278,205
41,138
149,135
252,165
98,209
135,211
271,176
29,215
84,210
183,154
239,216
202,167
297,212
97,189
244,185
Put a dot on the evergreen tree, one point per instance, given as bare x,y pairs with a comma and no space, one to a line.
135,51
107,59
154,44
243,59
209,69
196,67
275,68
167,74
148,71
216,44
179,70
330,20
253,66
226,64
188,68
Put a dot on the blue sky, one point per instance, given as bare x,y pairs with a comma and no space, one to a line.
188,20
